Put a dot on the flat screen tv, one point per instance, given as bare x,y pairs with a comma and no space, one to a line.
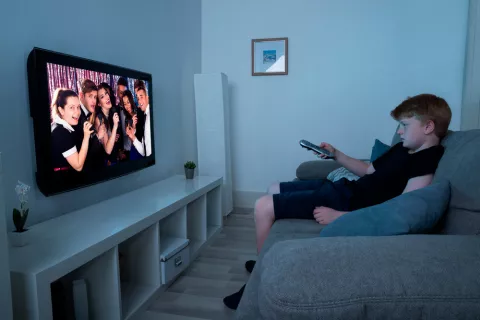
92,121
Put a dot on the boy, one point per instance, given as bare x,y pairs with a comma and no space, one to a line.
407,166
88,98
88,101
144,147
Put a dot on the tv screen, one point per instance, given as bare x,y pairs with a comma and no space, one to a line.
92,121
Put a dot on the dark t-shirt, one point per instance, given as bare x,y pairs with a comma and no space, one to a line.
392,172
63,145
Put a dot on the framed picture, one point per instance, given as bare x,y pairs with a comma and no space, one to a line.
270,57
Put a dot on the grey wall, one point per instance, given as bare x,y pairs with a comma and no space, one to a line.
5,292
350,63
164,40
471,87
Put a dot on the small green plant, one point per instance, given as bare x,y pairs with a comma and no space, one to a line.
190,165
20,215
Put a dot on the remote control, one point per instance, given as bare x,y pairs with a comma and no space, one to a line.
317,149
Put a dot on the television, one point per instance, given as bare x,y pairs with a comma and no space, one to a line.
92,121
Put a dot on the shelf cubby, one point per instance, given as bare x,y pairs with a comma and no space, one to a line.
139,267
197,223
100,276
173,233
214,211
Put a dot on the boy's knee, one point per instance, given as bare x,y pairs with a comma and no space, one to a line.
264,207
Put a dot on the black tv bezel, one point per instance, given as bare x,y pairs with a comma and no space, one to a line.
50,182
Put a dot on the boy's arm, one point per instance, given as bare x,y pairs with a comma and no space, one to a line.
356,166
418,182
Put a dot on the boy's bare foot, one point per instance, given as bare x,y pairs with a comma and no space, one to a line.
324,215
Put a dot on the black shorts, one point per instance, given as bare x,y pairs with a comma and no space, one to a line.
298,199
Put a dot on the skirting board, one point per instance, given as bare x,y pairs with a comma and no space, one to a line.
246,199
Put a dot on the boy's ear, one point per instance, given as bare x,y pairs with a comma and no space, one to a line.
429,127
81,95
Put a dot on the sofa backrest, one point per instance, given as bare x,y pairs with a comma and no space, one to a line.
460,165
396,137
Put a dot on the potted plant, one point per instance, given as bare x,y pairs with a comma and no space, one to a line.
17,237
189,169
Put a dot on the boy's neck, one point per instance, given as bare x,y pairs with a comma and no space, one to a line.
428,144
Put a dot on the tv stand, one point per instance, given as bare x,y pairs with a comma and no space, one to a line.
127,249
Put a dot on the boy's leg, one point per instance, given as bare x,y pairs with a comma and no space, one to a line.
296,204
291,186
264,213
264,218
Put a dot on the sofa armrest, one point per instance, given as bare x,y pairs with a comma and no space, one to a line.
316,169
396,277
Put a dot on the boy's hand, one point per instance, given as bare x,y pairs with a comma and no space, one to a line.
327,146
324,215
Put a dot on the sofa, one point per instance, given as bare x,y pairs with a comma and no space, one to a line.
436,275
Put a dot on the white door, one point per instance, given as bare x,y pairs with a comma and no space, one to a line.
5,289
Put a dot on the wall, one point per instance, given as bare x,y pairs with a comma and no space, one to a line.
5,285
471,88
164,41
350,63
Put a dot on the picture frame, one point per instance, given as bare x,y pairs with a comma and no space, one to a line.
270,57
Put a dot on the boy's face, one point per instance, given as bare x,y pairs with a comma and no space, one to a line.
413,132
142,99
89,100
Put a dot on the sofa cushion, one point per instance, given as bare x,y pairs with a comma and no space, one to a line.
316,169
378,149
295,227
460,165
394,277
417,211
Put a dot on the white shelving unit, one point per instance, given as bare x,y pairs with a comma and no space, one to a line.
212,105
127,249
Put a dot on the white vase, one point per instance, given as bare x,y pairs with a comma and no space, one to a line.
18,239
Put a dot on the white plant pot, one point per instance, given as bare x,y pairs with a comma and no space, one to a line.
18,239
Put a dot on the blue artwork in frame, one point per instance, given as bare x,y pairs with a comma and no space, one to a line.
269,56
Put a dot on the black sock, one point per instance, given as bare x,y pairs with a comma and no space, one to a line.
249,265
233,300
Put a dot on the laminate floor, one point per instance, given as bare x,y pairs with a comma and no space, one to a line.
217,272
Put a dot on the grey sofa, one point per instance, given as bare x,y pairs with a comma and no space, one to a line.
433,276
